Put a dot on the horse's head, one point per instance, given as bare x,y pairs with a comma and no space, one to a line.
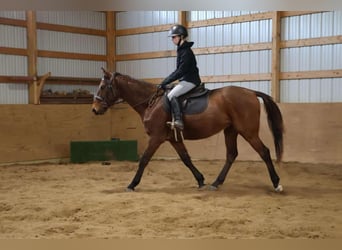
107,93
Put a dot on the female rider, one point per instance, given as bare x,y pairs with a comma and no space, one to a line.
186,72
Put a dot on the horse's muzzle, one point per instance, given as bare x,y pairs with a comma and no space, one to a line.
97,112
97,108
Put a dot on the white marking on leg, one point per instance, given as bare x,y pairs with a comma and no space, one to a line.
279,189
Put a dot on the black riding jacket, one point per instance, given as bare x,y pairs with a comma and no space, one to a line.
186,66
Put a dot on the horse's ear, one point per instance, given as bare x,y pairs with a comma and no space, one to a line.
106,73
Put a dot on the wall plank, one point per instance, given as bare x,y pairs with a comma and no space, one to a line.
38,132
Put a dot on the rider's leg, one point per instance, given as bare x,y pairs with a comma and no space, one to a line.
177,113
180,89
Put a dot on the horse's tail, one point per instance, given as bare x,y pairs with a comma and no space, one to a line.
275,122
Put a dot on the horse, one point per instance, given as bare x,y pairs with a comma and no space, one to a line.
233,109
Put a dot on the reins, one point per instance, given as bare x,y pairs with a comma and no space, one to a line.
154,97
150,100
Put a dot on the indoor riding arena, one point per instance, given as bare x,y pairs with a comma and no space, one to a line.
64,171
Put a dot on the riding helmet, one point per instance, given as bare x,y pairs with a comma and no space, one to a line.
178,30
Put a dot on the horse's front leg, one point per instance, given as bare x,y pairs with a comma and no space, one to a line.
185,157
153,145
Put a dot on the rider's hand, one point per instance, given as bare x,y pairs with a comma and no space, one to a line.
160,86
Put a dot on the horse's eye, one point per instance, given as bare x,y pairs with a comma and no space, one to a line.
102,86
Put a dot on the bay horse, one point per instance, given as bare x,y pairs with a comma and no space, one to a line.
235,110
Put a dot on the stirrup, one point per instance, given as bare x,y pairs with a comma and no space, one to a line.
179,124
175,129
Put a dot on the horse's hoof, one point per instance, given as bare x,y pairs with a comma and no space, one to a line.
212,188
203,187
279,189
129,190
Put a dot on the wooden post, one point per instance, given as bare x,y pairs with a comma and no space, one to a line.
40,84
182,18
275,74
32,54
111,39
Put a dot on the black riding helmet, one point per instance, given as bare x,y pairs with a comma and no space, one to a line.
178,30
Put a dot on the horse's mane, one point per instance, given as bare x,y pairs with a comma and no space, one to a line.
142,88
143,83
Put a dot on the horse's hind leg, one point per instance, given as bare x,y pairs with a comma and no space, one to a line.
185,157
264,153
232,152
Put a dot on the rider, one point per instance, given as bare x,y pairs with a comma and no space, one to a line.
186,72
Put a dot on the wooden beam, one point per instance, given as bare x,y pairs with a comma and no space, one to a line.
16,79
12,22
237,78
224,78
146,55
209,79
73,80
311,42
70,29
275,83
143,30
32,52
197,51
50,79
53,27
71,55
298,13
230,20
318,74
232,48
110,40
13,51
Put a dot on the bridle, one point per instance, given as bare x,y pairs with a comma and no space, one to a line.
113,89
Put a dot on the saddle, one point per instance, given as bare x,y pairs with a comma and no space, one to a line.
193,102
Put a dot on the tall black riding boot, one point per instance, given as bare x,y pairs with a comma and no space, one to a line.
177,113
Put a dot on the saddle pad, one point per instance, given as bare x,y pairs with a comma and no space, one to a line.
190,106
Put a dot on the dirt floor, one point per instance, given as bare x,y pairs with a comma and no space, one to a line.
89,201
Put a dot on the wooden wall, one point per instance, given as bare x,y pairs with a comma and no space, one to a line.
313,134
39,132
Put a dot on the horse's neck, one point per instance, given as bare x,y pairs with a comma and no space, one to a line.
136,94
